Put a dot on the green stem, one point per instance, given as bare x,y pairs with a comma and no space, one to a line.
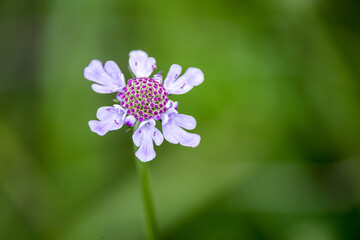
150,219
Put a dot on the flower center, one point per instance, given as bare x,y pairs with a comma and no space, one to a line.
144,98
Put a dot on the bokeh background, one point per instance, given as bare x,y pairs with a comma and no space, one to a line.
278,113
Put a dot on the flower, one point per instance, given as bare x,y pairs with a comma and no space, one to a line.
144,100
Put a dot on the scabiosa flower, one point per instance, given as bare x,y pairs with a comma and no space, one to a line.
145,100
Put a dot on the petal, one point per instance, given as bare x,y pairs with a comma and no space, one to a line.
107,112
172,124
102,127
143,138
146,150
185,121
137,136
98,127
95,72
108,80
101,89
114,71
175,134
110,118
173,74
157,137
141,64
192,77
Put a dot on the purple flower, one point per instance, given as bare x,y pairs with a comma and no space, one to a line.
144,100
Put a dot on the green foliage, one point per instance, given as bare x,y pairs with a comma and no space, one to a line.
278,113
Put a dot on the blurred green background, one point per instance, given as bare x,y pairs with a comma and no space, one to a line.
278,113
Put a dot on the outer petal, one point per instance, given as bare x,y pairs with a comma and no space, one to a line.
174,85
173,74
143,138
110,118
146,150
141,64
108,79
157,137
185,121
172,123
176,134
137,136
114,71
101,89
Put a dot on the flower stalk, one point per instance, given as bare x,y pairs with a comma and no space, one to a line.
148,206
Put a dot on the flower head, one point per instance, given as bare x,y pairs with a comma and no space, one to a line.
144,99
